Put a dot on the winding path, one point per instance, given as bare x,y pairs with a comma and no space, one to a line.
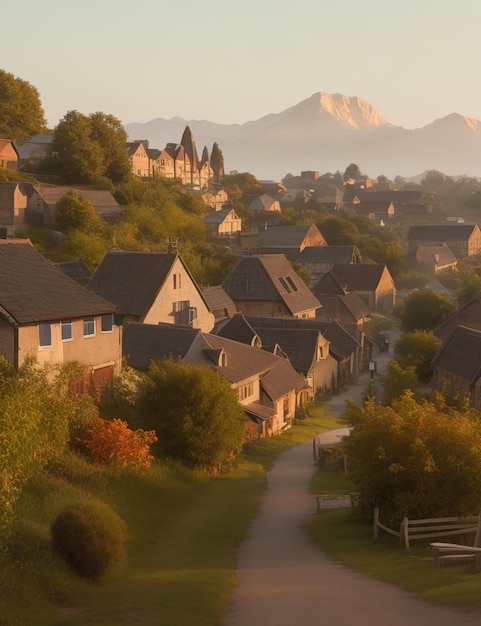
284,580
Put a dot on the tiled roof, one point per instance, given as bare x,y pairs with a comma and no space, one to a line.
436,255
33,290
238,329
75,269
269,277
143,343
460,354
106,206
217,217
347,308
467,315
148,342
359,276
131,280
262,203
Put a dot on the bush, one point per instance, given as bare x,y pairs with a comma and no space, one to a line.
91,538
115,443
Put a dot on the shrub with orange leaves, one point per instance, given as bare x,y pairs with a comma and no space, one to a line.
113,442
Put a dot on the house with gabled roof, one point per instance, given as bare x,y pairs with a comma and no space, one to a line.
8,154
289,240
457,365
303,344
13,205
349,309
223,223
139,157
318,260
265,203
462,239
46,315
267,286
371,281
469,315
268,387
431,259
152,287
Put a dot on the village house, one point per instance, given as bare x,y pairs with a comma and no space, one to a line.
139,157
8,154
303,344
223,223
319,260
469,315
267,286
371,281
289,240
431,259
264,203
457,366
221,305
268,387
46,315
463,240
152,287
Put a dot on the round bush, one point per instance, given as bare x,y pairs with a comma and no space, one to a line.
91,538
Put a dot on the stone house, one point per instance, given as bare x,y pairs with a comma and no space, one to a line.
47,315
268,387
267,286
223,223
371,281
462,239
457,365
152,287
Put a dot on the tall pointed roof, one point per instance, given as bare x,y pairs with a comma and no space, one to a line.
188,142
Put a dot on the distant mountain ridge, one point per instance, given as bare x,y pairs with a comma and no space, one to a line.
326,132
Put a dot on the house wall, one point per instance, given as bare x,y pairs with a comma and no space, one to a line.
8,157
323,376
164,166
140,162
449,384
173,291
7,341
385,294
231,224
257,308
98,350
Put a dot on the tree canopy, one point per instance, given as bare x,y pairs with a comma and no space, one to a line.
21,112
425,310
195,412
91,149
413,459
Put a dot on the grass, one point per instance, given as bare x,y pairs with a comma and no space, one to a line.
348,540
184,533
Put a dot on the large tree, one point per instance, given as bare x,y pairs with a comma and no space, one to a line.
195,412
425,310
21,112
91,149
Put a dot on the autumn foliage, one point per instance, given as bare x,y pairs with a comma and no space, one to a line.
113,442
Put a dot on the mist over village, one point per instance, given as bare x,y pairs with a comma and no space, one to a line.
240,362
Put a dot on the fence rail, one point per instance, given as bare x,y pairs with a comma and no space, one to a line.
411,530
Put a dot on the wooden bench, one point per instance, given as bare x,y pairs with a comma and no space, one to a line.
455,553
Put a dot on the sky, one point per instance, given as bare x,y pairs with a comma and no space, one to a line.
232,61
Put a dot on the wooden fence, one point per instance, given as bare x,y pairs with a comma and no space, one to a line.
411,530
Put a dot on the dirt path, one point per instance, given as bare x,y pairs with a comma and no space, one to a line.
284,580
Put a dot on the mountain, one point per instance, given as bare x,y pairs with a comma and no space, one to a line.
326,132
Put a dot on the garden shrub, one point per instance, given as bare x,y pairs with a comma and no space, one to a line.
91,538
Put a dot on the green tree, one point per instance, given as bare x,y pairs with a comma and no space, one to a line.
352,171
195,412
399,379
417,349
338,231
21,112
91,149
470,285
74,212
425,310
413,459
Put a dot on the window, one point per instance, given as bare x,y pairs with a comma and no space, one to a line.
177,281
45,334
67,331
246,390
89,327
107,323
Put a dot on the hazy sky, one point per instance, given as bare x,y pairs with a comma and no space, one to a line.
231,61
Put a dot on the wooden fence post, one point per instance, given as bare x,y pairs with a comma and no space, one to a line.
404,532
376,520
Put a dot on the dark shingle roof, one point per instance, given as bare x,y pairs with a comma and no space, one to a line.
359,276
217,217
143,343
75,269
468,315
460,354
347,308
327,254
269,277
441,232
131,280
33,290
288,236
219,302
